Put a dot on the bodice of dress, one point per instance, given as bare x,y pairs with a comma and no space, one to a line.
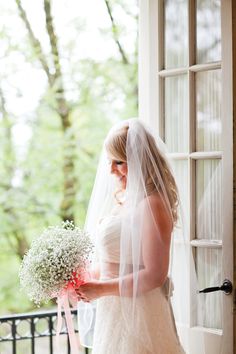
108,237
108,244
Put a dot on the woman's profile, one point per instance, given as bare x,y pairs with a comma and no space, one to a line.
132,213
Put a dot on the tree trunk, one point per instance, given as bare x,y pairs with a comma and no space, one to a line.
55,82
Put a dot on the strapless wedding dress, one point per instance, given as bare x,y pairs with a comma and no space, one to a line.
112,335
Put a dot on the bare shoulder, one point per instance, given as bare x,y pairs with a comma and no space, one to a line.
161,215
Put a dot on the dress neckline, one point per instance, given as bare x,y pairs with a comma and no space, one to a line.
115,212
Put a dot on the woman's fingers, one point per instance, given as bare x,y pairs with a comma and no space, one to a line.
81,296
78,292
83,299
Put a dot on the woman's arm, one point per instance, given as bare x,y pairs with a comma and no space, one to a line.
156,233
95,271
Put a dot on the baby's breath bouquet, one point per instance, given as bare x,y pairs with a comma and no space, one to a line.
57,259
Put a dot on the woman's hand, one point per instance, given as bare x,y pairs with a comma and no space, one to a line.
94,289
90,291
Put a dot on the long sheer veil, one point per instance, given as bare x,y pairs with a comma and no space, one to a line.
149,172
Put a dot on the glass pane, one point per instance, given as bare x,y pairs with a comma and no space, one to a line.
209,267
176,33
180,170
176,113
208,31
208,87
208,199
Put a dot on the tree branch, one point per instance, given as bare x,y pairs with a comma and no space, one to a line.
63,108
8,150
34,41
53,41
3,103
114,31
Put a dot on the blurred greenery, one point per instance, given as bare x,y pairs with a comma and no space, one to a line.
65,129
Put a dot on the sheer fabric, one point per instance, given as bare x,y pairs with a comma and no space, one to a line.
130,242
112,334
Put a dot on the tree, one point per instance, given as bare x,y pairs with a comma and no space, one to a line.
51,179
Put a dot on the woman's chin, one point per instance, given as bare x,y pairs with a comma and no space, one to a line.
121,184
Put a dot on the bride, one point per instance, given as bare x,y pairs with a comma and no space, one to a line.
132,213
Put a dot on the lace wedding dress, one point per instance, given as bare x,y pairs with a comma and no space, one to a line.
112,335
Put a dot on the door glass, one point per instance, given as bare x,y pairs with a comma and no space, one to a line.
181,173
208,199
208,31
209,274
176,33
208,129
176,113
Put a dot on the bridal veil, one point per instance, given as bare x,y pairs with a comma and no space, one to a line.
149,172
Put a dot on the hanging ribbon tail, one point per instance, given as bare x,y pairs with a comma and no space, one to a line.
63,302
70,326
72,297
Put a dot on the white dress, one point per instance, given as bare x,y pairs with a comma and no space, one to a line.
111,334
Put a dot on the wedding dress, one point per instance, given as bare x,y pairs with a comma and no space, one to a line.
112,334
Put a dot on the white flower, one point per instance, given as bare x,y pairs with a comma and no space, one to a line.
59,255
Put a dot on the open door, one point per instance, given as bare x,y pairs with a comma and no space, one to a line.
186,92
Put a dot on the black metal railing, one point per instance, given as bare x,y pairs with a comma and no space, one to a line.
30,328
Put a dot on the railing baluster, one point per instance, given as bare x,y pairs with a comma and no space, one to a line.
13,331
32,330
68,345
50,335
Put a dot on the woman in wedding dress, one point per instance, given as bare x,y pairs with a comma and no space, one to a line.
132,213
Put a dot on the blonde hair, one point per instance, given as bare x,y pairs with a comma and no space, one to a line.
116,147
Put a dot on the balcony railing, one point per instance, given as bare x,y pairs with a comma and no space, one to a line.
34,333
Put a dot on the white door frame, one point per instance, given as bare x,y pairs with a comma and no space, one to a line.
150,94
227,177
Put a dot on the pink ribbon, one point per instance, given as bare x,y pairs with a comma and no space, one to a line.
68,296
63,301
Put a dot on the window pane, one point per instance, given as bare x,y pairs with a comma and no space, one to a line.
208,31
209,274
176,33
208,199
180,170
176,113
208,130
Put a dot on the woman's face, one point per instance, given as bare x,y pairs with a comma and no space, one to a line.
120,170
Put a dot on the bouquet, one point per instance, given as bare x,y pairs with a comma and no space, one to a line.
58,258
55,265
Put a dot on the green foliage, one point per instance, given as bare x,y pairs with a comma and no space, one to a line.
97,94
